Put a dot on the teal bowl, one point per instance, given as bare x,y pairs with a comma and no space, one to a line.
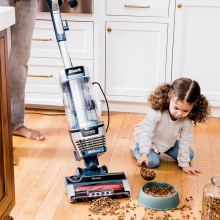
158,203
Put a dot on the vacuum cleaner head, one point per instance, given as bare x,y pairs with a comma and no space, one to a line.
86,188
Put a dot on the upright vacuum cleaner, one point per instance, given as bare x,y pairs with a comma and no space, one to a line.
86,128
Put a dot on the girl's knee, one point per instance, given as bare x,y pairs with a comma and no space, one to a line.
191,152
136,153
153,163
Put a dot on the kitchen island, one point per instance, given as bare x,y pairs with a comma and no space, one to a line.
7,188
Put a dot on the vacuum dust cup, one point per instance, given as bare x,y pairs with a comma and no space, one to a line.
80,103
86,127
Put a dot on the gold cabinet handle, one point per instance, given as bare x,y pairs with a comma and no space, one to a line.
109,29
179,5
40,76
136,6
36,39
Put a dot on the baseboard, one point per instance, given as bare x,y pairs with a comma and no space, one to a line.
126,107
119,107
49,107
142,107
215,112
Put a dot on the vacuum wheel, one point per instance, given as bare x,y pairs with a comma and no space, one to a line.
79,171
105,169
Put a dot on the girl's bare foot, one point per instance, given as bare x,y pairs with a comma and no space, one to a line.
28,133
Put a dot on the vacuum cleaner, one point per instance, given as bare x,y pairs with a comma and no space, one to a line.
86,128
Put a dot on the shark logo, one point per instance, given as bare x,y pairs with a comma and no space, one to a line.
76,70
93,151
96,178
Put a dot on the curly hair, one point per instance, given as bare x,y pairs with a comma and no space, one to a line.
185,90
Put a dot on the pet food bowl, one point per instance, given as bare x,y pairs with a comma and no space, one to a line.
158,203
146,177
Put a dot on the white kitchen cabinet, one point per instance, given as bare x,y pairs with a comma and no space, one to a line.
43,86
135,58
45,63
196,53
79,40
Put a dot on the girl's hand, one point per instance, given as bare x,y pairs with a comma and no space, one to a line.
190,170
142,158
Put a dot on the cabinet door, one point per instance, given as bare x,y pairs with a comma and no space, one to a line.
7,191
135,58
79,40
197,45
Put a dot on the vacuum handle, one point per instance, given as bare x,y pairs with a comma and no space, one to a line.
59,30
54,9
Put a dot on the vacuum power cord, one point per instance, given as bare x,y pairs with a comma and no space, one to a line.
106,103
35,113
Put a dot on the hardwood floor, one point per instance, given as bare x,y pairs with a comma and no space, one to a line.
42,165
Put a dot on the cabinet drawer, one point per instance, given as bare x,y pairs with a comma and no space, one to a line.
48,70
43,99
79,40
149,8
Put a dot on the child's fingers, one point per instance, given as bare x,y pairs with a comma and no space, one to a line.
146,161
194,172
139,162
187,171
198,170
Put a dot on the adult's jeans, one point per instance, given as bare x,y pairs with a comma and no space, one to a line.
19,40
154,158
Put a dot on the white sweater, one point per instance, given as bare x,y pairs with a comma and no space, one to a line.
158,128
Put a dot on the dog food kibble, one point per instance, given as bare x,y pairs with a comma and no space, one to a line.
159,191
101,205
211,208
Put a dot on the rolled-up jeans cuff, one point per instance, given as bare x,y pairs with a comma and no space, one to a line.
14,127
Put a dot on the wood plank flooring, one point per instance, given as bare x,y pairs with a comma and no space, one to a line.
42,165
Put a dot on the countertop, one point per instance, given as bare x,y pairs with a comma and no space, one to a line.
7,17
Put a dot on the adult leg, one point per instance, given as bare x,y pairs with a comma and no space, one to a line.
173,151
21,36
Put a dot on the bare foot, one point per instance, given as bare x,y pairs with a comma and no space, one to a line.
14,162
28,133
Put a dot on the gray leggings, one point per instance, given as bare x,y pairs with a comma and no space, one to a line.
19,39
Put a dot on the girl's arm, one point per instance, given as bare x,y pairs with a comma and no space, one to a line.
147,130
183,152
183,156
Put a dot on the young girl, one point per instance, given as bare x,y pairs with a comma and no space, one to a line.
173,108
